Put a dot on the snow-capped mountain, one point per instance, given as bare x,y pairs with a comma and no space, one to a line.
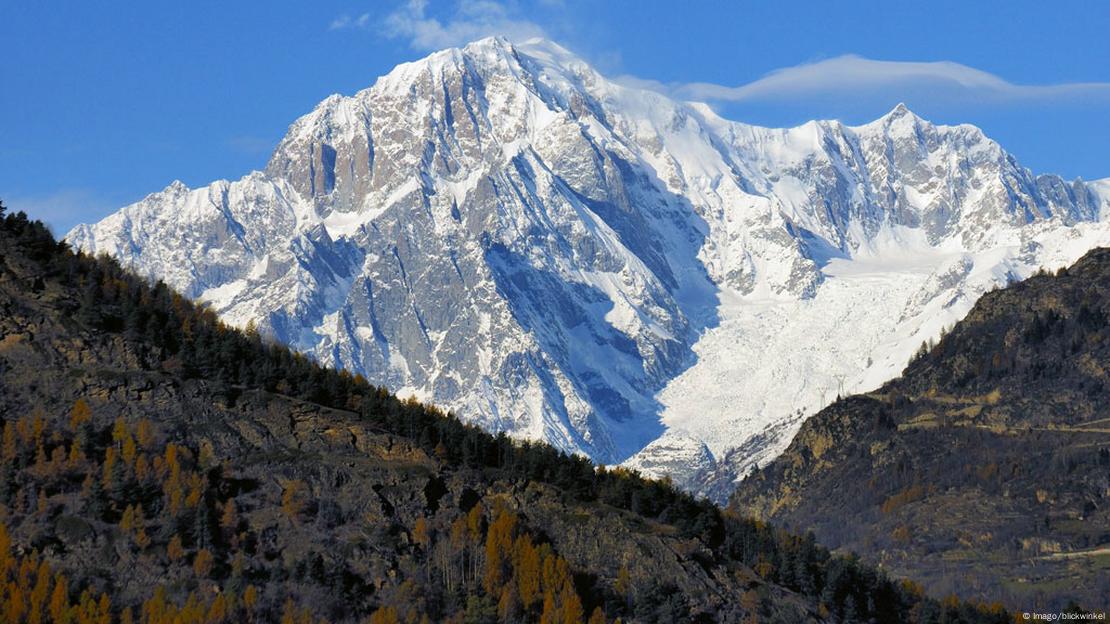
503,231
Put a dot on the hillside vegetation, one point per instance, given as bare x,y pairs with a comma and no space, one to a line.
159,466
985,469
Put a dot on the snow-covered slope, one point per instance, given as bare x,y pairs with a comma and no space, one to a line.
503,231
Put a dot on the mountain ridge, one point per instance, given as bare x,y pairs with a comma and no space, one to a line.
598,245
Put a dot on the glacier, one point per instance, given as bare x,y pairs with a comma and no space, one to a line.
503,231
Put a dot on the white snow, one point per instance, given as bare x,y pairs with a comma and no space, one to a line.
708,283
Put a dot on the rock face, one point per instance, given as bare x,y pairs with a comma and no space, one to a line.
985,469
503,231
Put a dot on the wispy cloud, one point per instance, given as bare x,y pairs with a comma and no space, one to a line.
847,79
344,22
63,209
471,19
855,76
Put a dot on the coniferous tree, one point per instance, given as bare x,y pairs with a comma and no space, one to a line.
96,503
7,483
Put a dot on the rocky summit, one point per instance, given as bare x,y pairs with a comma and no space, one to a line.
552,254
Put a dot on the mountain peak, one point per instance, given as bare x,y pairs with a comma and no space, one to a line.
505,194
495,42
900,121
177,187
900,112
500,42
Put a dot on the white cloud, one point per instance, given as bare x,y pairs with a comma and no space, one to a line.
471,20
344,22
849,77
852,75
647,84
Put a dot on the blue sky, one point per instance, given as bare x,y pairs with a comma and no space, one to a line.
105,102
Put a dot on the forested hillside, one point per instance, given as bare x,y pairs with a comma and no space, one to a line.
985,469
158,466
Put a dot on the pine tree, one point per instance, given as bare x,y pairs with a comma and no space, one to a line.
202,563
37,606
59,599
127,521
104,610
79,415
217,612
174,550
289,612
291,503
144,435
572,605
119,484
10,450
499,546
250,597
509,606
420,534
7,562
229,520
95,500
8,485
623,585
528,570
202,527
